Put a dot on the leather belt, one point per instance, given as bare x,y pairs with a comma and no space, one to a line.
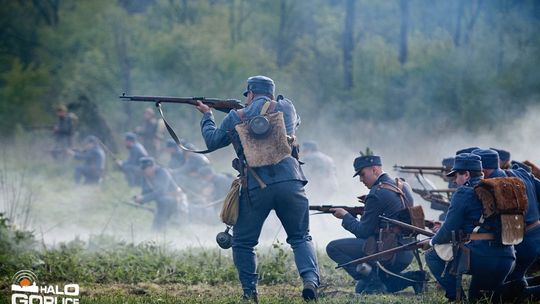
481,237
531,226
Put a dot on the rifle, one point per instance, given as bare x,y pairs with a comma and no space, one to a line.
138,206
223,105
415,229
355,211
432,170
375,256
435,196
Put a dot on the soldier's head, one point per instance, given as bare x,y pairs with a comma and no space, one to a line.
205,172
369,168
504,158
259,85
466,165
489,159
466,150
171,146
147,165
61,110
148,113
90,142
130,139
447,163
309,146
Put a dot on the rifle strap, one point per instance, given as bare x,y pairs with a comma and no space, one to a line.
173,134
381,267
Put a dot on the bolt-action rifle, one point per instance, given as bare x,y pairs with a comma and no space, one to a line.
355,211
431,170
414,229
436,195
223,105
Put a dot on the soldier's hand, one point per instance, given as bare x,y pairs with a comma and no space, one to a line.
425,244
338,212
202,107
436,226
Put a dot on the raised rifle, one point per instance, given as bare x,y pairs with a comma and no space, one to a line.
435,195
432,170
223,105
355,211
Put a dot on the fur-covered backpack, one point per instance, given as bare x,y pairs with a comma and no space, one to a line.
504,197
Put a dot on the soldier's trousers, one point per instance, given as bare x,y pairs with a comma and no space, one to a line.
91,176
165,208
488,273
289,201
345,250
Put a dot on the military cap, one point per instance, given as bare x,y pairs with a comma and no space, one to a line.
362,162
130,136
310,145
490,158
466,162
146,161
448,162
260,85
205,171
466,150
61,107
171,143
503,154
91,139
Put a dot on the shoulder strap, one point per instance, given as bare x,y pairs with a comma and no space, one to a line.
396,189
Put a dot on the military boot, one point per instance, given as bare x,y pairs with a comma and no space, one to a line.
250,296
309,293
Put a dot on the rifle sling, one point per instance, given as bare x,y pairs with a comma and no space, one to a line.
173,134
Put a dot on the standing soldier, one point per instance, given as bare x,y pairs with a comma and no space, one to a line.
158,186
489,261
130,166
320,171
273,180
386,197
63,132
151,132
94,161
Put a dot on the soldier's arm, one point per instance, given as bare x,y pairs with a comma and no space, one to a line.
454,219
215,137
161,184
369,221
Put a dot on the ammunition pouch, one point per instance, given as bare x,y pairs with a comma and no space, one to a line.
386,240
231,204
506,198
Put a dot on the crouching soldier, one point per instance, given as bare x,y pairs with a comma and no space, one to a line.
94,161
159,186
386,197
476,249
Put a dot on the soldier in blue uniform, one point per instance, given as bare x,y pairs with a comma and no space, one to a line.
490,261
320,171
159,186
278,187
381,200
215,186
177,159
504,158
529,249
130,166
63,132
94,161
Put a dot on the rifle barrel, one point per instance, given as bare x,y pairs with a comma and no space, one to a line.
407,226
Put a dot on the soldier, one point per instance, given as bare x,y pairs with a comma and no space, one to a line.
158,186
215,185
386,197
151,132
435,204
320,171
94,161
504,158
490,260
274,180
130,166
177,159
63,131
529,249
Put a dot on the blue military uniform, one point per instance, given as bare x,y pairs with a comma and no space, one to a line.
94,162
379,201
284,192
130,166
490,261
529,249
162,189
